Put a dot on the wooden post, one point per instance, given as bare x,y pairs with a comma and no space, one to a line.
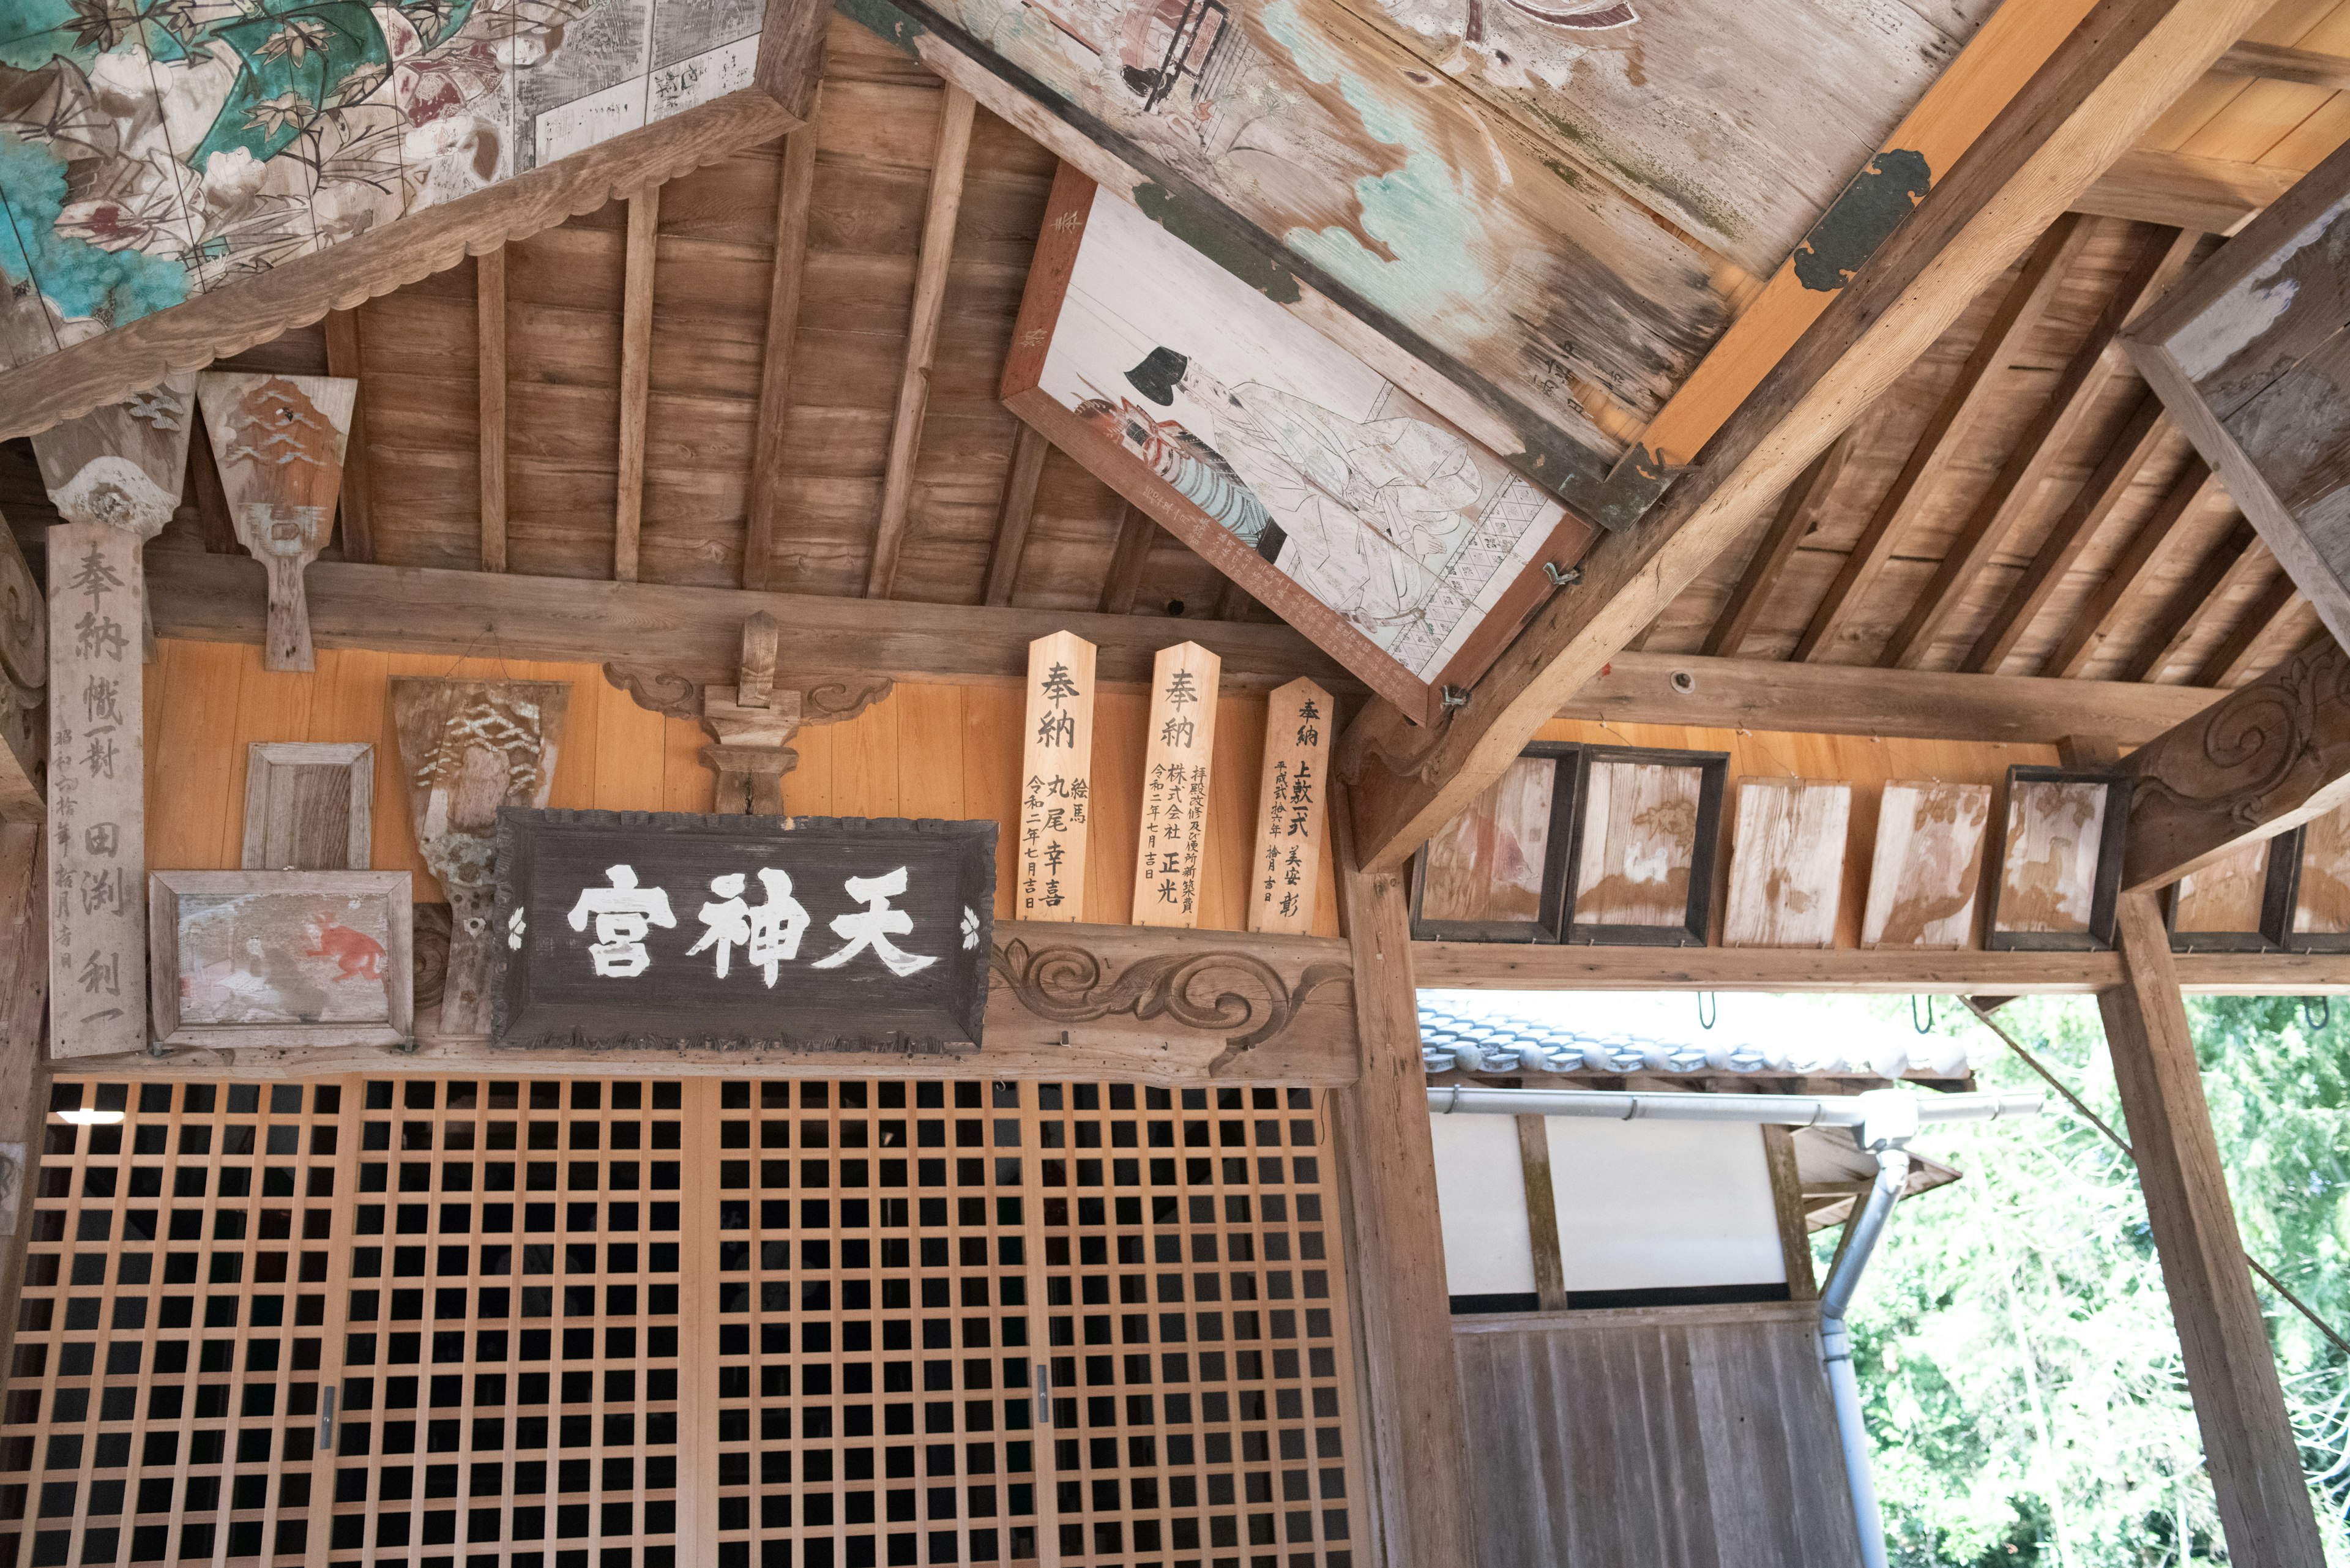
1057,779
1182,744
753,724
115,475
1290,808
25,660
279,442
2248,1437
1419,1460
1542,1212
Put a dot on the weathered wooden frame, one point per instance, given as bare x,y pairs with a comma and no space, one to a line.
2113,833
1063,232
164,890
1696,928
2279,894
262,763
1549,925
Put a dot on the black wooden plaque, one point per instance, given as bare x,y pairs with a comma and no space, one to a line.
611,925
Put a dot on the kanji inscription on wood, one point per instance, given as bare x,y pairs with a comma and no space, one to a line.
637,928
1182,745
1057,778
1290,811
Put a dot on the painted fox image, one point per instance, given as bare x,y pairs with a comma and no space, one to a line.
356,953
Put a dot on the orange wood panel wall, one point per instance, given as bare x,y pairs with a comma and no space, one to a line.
945,751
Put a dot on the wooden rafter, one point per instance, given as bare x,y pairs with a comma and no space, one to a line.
2104,85
636,379
2214,195
2132,449
2107,608
2283,63
1122,585
1029,450
2238,560
1799,511
2020,310
947,157
1232,602
796,188
2086,377
490,338
2230,662
343,356
213,519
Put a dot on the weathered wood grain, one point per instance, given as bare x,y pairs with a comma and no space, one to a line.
2225,897
344,354
1637,844
309,806
2207,195
1292,808
278,442
2322,901
2049,859
1013,513
765,521
1786,863
1927,868
636,379
1799,513
490,331
1178,757
2108,610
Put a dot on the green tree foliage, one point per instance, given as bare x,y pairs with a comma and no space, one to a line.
2024,1392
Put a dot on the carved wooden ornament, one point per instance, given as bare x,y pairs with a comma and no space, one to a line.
279,442
469,747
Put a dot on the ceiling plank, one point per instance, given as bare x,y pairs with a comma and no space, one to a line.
636,378
763,521
2230,661
2183,191
2283,63
2236,560
2019,313
939,218
343,356
1799,510
2107,609
490,407
2103,86
2132,449
111,367
2162,257
1029,450
1136,532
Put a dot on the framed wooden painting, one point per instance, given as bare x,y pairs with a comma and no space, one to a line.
280,958
1925,877
1497,873
2240,903
2060,861
1646,826
1786,863
1396,542
2321,896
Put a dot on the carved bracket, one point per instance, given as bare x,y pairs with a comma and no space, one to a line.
1209,991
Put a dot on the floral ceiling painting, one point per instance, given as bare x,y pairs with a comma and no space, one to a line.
151,150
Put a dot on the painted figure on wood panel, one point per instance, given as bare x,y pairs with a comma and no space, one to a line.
282,957
1371,505
154,149
2051,872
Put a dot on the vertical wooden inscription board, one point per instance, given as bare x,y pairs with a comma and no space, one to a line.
1057,779
1290,809
1182,744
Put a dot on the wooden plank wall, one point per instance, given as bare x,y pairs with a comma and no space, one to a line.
946,750
1865,761
1669,1438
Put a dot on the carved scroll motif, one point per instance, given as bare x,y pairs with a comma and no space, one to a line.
1067,984
2247,746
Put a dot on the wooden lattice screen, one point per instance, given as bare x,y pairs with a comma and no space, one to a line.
638,1323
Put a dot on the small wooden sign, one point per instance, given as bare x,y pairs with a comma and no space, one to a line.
2061,866
1644,845
1498,872
1057,779
2320,904
279,442
1290,809
1182,745
1927,871
2242,902
644,929
1786,863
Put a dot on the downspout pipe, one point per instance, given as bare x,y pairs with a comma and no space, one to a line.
1835,1349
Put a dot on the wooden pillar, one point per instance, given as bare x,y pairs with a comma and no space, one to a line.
2248,1439
1418,1465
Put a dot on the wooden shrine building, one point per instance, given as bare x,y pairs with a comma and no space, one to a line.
737,734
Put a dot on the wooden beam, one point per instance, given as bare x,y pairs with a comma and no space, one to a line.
1799,510
1029,450
2263,758
2232,660
763,522
2020,310
343,356
489,334
1122,583
2237,560
2249,1447
2102,87
693,635
2161,258
1419,1446
2283,63
2211,195
1542,1212
2132,449
1233,603
947,157
636,379
262,306
790,68
2105,611
1879,971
